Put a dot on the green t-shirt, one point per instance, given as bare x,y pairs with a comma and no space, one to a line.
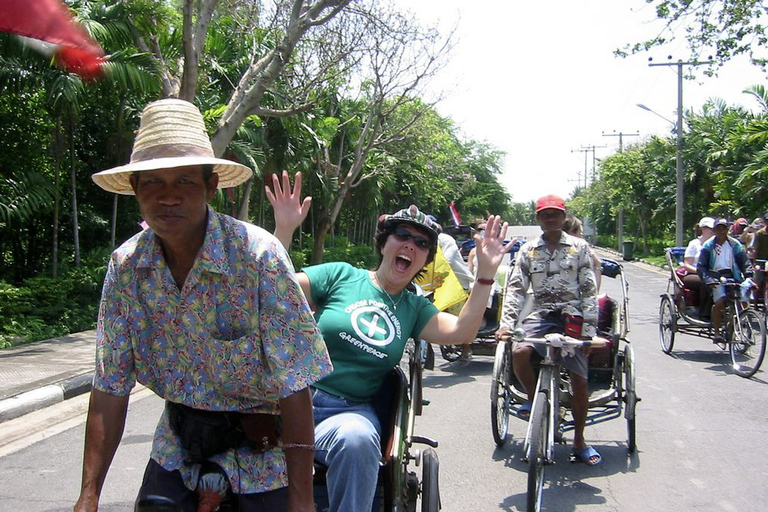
364,329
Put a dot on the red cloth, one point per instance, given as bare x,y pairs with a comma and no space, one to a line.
51,21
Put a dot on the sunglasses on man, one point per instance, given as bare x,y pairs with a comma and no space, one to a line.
404,235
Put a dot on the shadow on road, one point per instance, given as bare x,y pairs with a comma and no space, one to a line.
566,485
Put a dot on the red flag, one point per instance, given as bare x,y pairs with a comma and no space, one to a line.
51,21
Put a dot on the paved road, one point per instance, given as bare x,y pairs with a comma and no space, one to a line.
702,443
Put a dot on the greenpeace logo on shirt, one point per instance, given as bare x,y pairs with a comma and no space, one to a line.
373,322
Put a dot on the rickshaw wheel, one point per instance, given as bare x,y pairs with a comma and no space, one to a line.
450,353
500,395
630,396
748,349
667,324
430,488
537,459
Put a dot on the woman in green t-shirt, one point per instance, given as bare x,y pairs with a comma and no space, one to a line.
366,317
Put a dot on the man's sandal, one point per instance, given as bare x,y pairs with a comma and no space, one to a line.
524,411
588,456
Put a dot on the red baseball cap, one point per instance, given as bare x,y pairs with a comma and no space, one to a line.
550,202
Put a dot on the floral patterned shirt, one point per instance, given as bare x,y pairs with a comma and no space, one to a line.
238,336
557,279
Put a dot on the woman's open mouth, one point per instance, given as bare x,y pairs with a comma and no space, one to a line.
402,262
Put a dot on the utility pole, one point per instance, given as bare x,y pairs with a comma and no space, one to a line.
585,150
620,219
679,207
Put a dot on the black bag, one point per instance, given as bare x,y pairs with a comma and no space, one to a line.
204,433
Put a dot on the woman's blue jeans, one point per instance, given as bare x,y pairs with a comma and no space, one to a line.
348,440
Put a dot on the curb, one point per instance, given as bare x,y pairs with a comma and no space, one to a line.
30,401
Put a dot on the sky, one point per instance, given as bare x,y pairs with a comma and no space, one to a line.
539,81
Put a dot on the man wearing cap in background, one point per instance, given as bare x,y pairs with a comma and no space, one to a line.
205,311
758,248
558,268
723,256
738,226
688,271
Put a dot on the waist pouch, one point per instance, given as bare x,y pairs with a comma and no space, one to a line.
573,325
207,433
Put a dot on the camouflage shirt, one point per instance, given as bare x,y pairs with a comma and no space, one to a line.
557,279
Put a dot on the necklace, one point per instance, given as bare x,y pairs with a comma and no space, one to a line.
394,303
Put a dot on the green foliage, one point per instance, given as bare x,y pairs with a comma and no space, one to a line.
43,307
712,28
337,248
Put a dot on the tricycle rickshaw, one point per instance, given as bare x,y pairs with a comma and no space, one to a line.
744,329
611,369
398,403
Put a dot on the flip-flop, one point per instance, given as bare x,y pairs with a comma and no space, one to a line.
525,410
585,455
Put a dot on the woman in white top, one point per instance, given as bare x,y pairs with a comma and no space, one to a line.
691,279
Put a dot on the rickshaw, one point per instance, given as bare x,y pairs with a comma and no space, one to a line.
744,329
398,403
612,377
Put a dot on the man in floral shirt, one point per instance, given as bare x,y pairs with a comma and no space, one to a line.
558,268
206,311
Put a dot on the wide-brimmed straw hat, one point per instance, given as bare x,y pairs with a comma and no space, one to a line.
171,134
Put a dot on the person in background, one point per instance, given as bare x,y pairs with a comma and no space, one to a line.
758,248
205,311
723,256
558,269
574,227
366,317
748,235
738,227
688,271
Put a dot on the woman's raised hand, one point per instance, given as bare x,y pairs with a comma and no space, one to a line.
290,210
490,248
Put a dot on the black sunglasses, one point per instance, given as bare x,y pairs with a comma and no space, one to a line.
403,235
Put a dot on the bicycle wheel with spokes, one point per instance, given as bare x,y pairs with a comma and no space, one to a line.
667,324
747,347
538,446
501,397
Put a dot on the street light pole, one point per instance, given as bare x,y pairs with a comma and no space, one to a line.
679,230
679,174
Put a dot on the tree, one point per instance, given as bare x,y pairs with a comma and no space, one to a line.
398,55
721,28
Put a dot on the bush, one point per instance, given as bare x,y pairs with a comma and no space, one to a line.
43,307
336,249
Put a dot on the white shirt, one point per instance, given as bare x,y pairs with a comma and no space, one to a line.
723,256
694,250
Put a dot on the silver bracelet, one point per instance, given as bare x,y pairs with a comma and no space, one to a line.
298,446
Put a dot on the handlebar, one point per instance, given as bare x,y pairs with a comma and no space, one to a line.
556,340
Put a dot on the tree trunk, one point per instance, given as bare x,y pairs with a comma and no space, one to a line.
73,179
57,149
324,225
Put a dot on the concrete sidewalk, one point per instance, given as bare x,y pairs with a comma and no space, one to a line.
46,372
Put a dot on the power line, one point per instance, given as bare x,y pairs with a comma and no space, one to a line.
621,136
585,150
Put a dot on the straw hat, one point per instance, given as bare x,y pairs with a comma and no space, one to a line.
171,134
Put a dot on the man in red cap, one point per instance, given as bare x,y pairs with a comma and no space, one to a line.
558,268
